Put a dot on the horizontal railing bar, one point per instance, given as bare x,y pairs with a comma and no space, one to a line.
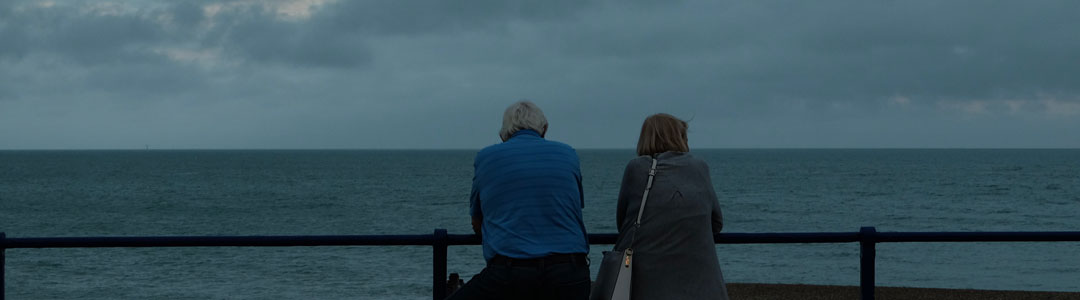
977,236
221,241
471,239
786,238
462,239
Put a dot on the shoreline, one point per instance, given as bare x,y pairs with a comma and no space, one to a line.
762,291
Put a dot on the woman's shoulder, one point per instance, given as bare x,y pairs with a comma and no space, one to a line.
642,159
697,161
638,163
681,158
686,164
669,159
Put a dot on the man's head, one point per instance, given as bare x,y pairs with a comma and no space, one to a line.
523,115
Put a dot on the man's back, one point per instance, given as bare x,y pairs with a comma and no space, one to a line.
526,202
528,192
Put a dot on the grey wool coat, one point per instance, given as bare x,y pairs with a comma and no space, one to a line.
674,252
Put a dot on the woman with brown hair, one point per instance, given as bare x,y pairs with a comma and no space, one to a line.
674,256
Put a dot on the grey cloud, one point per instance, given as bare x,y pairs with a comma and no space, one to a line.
411,18
263,38
5,92
336,36
85,38
12,33
101,39
847,50
952,49
252,34
400,74
145,82
187,14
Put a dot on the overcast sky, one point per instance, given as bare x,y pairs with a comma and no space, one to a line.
438,74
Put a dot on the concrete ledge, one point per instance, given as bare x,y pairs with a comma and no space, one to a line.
755,291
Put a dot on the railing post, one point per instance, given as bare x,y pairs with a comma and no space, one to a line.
438,266
3,249
867,254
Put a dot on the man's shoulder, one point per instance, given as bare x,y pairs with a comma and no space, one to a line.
531,147
560,146
487,150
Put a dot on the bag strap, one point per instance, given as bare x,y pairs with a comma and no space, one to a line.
644,197
648,186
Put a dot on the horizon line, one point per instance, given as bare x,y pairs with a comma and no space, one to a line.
576,148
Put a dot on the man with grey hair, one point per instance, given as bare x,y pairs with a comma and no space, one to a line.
526,204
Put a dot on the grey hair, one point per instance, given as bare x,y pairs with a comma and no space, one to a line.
522,115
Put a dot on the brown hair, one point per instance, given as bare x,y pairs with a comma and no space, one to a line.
661,133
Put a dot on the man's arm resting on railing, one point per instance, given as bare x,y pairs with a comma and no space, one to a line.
476,221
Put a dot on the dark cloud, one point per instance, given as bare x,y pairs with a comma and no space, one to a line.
187,14
848,50
404,74
12,33
257,34
441,17
71,32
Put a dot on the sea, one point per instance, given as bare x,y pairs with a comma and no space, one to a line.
356,192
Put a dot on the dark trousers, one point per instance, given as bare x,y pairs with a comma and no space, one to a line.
567,280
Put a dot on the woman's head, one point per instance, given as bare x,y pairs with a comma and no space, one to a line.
661,133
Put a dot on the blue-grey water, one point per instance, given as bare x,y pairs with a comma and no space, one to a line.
130,193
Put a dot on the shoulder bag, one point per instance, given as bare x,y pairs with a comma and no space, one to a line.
619,264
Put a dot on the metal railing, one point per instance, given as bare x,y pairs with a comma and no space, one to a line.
867,237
